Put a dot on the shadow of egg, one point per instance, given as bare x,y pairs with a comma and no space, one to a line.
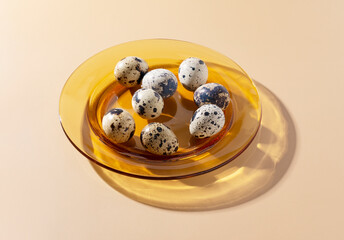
169,111
187,103
253,173
131,143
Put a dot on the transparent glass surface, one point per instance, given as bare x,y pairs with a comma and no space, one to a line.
91,91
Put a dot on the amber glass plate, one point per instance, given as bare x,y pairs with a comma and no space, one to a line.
92,90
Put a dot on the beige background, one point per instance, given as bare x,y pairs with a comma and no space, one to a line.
49,191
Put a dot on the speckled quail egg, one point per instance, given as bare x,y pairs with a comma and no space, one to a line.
147,103
130,71
162,81
159,139
207,121
213,93
118,125
192,73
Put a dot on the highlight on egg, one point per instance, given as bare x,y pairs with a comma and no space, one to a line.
118,125
193,73
130,71
212,93
147,103
162,81
159,139
207,121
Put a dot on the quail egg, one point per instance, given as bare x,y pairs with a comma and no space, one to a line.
147,103
159,139
192,73
118,125
162,81
212,93
130,71
207,121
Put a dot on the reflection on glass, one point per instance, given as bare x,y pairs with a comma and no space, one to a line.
251,174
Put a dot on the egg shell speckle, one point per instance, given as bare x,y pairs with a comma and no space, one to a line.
212,93
159,139
207,121
192,73
147,103
130,71
118,125
162,81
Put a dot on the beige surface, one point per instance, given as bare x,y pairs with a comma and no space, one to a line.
49,191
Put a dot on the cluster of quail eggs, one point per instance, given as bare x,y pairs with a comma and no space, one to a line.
148,103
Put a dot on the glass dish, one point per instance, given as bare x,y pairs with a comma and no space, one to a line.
91,91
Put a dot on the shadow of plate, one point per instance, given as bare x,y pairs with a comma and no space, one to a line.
259,168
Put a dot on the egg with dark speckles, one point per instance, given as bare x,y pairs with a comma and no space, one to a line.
207,121
130,71
118,125
162,81
192,73
212,93
147,103
159,139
